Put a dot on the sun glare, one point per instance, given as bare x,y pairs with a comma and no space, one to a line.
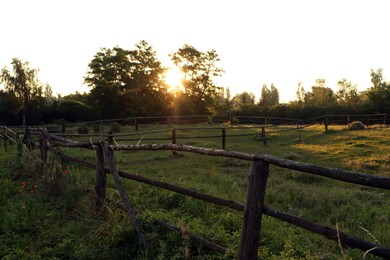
173,78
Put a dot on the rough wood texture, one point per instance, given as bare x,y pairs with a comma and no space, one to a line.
108,154
174,152
300,222
43,146
100,181
254,204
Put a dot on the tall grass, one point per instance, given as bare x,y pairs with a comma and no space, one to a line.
64,223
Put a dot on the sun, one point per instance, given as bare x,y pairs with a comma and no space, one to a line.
173,78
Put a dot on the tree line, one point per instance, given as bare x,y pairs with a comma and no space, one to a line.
131,83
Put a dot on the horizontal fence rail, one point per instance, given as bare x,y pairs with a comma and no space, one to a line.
254,206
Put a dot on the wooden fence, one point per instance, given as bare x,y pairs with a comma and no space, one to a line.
137,122
253,208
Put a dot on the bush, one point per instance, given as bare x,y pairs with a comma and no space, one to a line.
356,125
115,127
83,129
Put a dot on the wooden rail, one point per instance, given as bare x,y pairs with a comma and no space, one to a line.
254,206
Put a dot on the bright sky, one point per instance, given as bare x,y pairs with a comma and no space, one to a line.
259,42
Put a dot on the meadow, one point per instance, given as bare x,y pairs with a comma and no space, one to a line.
57,218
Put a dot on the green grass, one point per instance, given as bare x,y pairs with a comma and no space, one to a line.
59,221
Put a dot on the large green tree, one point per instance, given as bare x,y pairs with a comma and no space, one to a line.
22,81
127,82
199,69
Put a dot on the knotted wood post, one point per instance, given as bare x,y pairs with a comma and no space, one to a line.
174,152
263,136
101,183
251,228
223,138
43,144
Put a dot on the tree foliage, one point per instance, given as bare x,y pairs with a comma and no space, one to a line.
269,96
21,83
127,82
199,69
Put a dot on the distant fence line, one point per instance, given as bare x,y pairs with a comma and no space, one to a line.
367,119
253,208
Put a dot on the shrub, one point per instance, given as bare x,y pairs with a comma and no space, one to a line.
356,125
115,127
83,129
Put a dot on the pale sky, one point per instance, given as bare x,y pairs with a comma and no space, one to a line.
259,42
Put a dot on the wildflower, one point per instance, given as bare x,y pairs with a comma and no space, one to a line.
32,191
66,172
20,191
35,186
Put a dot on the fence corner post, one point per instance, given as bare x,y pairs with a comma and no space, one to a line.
253,211
100,184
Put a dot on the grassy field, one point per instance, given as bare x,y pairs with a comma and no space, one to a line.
57,220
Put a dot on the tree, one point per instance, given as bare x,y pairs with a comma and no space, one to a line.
320,95
300,93
199,69
269,97
379,94
22,81
127,83
347,95
240,100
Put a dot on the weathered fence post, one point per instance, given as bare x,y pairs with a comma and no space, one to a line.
43,143
250,233
136,124
231,119
348,121
368,120
18,145
110,138
223,138
384,119
63,128
263,136
28,138
100,184
326,123
174,152
168,121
